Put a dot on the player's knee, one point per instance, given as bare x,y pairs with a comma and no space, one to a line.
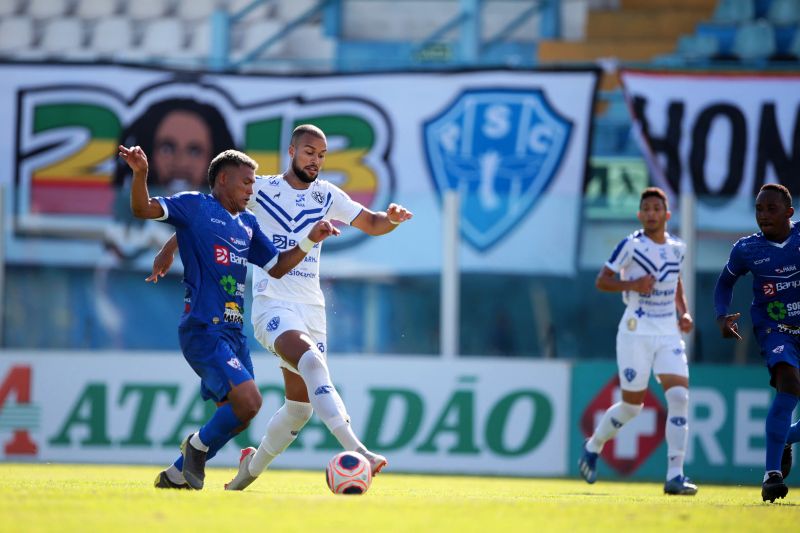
630,410
677,398
298,413
248,408
311,361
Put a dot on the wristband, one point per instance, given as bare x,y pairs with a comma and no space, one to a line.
306,244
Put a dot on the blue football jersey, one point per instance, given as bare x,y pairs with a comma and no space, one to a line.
215,248
776,278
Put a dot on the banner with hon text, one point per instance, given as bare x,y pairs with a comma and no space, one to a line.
721,134
513,143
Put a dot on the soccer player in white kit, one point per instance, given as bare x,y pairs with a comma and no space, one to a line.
288,314
645,268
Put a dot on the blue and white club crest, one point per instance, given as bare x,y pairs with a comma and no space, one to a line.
500,148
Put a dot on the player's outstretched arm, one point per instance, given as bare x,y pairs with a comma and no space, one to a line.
291,258
382,222
163,259
142,205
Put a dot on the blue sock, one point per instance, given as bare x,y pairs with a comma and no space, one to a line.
220,427
779,419
794,433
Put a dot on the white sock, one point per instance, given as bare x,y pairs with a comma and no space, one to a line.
768,472
614,418
282,430
197,443
677,429
175,475
325,399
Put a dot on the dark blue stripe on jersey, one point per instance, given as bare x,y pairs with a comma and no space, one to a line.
277,207
667,273
644,267
668,264
306,222
299,215
617,250
274,215
646,260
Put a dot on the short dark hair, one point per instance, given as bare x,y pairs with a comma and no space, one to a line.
654,192
780,189
227,158
304,129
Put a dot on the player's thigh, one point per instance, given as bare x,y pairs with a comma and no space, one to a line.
214,357
671,365
634,361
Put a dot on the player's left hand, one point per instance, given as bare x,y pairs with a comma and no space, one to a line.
135,157
322,230
396,213
685,323
161,264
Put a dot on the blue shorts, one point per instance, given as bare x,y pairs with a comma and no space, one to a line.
220,357
777,347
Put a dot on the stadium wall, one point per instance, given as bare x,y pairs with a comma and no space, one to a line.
472,416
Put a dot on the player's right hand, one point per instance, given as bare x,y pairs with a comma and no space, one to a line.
728,326
135,157
645,284
322,230
161,264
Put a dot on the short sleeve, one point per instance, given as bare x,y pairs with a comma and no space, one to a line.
621,256
737,265
343,208
178,208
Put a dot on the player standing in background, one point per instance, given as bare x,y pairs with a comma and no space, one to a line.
648,264
217,238
289,314
773,257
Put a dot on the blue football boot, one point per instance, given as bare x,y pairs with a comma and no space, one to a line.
587,465
680,486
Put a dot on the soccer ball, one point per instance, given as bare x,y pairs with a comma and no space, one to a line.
348,473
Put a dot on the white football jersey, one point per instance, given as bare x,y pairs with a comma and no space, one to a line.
287,216
637,256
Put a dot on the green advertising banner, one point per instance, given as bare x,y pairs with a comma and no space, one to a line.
727,409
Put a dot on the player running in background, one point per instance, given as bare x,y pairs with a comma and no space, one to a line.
289,314
645,267
773,257
217,238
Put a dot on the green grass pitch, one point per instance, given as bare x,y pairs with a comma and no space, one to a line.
88,498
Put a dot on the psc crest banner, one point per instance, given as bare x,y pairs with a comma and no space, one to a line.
513,143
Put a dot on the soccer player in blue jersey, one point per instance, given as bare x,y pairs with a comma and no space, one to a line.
645,268
773,257
217,238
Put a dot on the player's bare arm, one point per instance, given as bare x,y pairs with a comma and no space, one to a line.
685,320
608,281
163,259
728,326
382,222
142,205
291,258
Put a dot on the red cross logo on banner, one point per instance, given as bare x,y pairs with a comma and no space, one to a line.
637,439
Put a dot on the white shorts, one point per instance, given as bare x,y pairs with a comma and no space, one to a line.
273,317
637,355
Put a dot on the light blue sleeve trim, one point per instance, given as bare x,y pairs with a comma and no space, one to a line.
164,207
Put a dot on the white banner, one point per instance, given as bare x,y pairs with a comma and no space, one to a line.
513,143
723,135
475,416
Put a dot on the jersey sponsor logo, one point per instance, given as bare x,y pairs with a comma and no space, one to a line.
769,289
283,242
776,310
233,313
778,349
218,221
791,330
787,268
300,200
223,256
273,323
318,197
238,242
501,149
759,261
234,362
261,286
783,285
228,284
